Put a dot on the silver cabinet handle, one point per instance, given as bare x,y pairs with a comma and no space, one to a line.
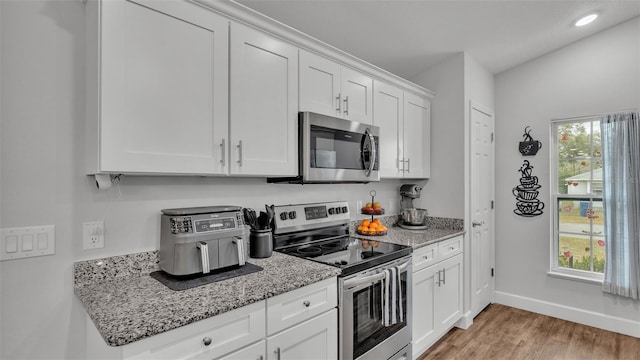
338,98
206,341
408,165
477,223
439,280
222,159
239,146
277,352
306,303
204,257
346,105
444,274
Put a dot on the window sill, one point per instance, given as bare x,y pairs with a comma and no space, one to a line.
573,277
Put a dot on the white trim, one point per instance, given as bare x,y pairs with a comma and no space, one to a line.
560,274
569,313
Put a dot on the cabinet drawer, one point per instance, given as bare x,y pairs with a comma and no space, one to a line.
226,332
299,305
425,256
449,247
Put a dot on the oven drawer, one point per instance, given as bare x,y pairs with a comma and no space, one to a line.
425,256
299,305
448,248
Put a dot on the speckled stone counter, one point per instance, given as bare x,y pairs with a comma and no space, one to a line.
127,305
438,229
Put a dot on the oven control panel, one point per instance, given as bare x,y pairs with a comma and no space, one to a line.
309,216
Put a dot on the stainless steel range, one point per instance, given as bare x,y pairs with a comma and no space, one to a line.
375,285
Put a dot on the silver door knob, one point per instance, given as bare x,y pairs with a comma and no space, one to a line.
477,223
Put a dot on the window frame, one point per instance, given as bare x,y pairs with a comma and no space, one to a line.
555,269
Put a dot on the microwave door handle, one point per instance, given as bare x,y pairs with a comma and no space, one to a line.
372,145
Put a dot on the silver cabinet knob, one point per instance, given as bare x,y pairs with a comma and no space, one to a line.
206,341
306,303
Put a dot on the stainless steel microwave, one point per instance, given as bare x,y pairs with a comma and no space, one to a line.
334,150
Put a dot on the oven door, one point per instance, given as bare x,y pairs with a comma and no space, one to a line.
364,334
337,150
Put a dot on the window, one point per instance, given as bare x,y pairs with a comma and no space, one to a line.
579,242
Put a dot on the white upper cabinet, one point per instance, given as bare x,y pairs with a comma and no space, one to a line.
329,88
417,136
405,121
264,104
157,95
388,116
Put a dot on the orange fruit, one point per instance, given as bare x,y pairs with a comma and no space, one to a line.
377,221
365,222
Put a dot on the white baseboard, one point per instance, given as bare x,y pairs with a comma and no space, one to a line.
585,317
465,321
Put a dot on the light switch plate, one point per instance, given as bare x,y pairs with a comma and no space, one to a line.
24,242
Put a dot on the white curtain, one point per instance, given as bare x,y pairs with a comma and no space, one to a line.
621,197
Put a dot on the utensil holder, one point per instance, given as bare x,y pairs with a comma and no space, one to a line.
260,243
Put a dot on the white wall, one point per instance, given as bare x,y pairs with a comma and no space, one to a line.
42,181
595,75
443,194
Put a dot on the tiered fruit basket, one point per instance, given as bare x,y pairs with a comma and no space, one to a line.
372,227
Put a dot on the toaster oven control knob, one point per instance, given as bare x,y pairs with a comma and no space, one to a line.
345,209
292,215
332,211
206,341
283,216
338,210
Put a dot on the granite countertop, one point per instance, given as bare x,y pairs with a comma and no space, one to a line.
126,304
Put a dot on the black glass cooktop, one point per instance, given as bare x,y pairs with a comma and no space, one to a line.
351,254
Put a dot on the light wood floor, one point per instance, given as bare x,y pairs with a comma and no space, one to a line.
502,332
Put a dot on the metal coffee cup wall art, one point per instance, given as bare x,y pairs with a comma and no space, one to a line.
529,146
527,202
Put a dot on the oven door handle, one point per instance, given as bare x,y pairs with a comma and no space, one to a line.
357,281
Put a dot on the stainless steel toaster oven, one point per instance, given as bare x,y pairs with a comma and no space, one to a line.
202,239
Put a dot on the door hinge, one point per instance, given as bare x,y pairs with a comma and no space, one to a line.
491,137
491,272
492,204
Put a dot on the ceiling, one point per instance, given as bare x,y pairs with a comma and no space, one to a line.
405,37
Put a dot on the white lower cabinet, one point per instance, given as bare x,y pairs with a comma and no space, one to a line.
304,326
316,339
437,292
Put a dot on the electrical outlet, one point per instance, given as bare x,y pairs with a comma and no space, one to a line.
93,235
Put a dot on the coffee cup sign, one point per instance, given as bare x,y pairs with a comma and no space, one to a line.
527,202
529,146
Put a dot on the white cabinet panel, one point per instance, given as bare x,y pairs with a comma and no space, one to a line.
357,95
157,87
388,116
264,93
417,136
424,311
449,293
315,339
252,352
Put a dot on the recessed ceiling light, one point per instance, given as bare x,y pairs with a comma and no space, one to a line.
586,20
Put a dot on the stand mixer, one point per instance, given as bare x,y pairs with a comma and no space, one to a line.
412,218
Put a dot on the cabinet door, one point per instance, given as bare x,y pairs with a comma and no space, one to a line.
449,293
162,88
417,133
316,339
252,352
319,85
388,114
357,96
425,329
264,104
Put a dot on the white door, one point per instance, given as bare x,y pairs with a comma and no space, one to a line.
357,93
319,84
163,88
264,104
388,115
315,339
417,136
482,242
